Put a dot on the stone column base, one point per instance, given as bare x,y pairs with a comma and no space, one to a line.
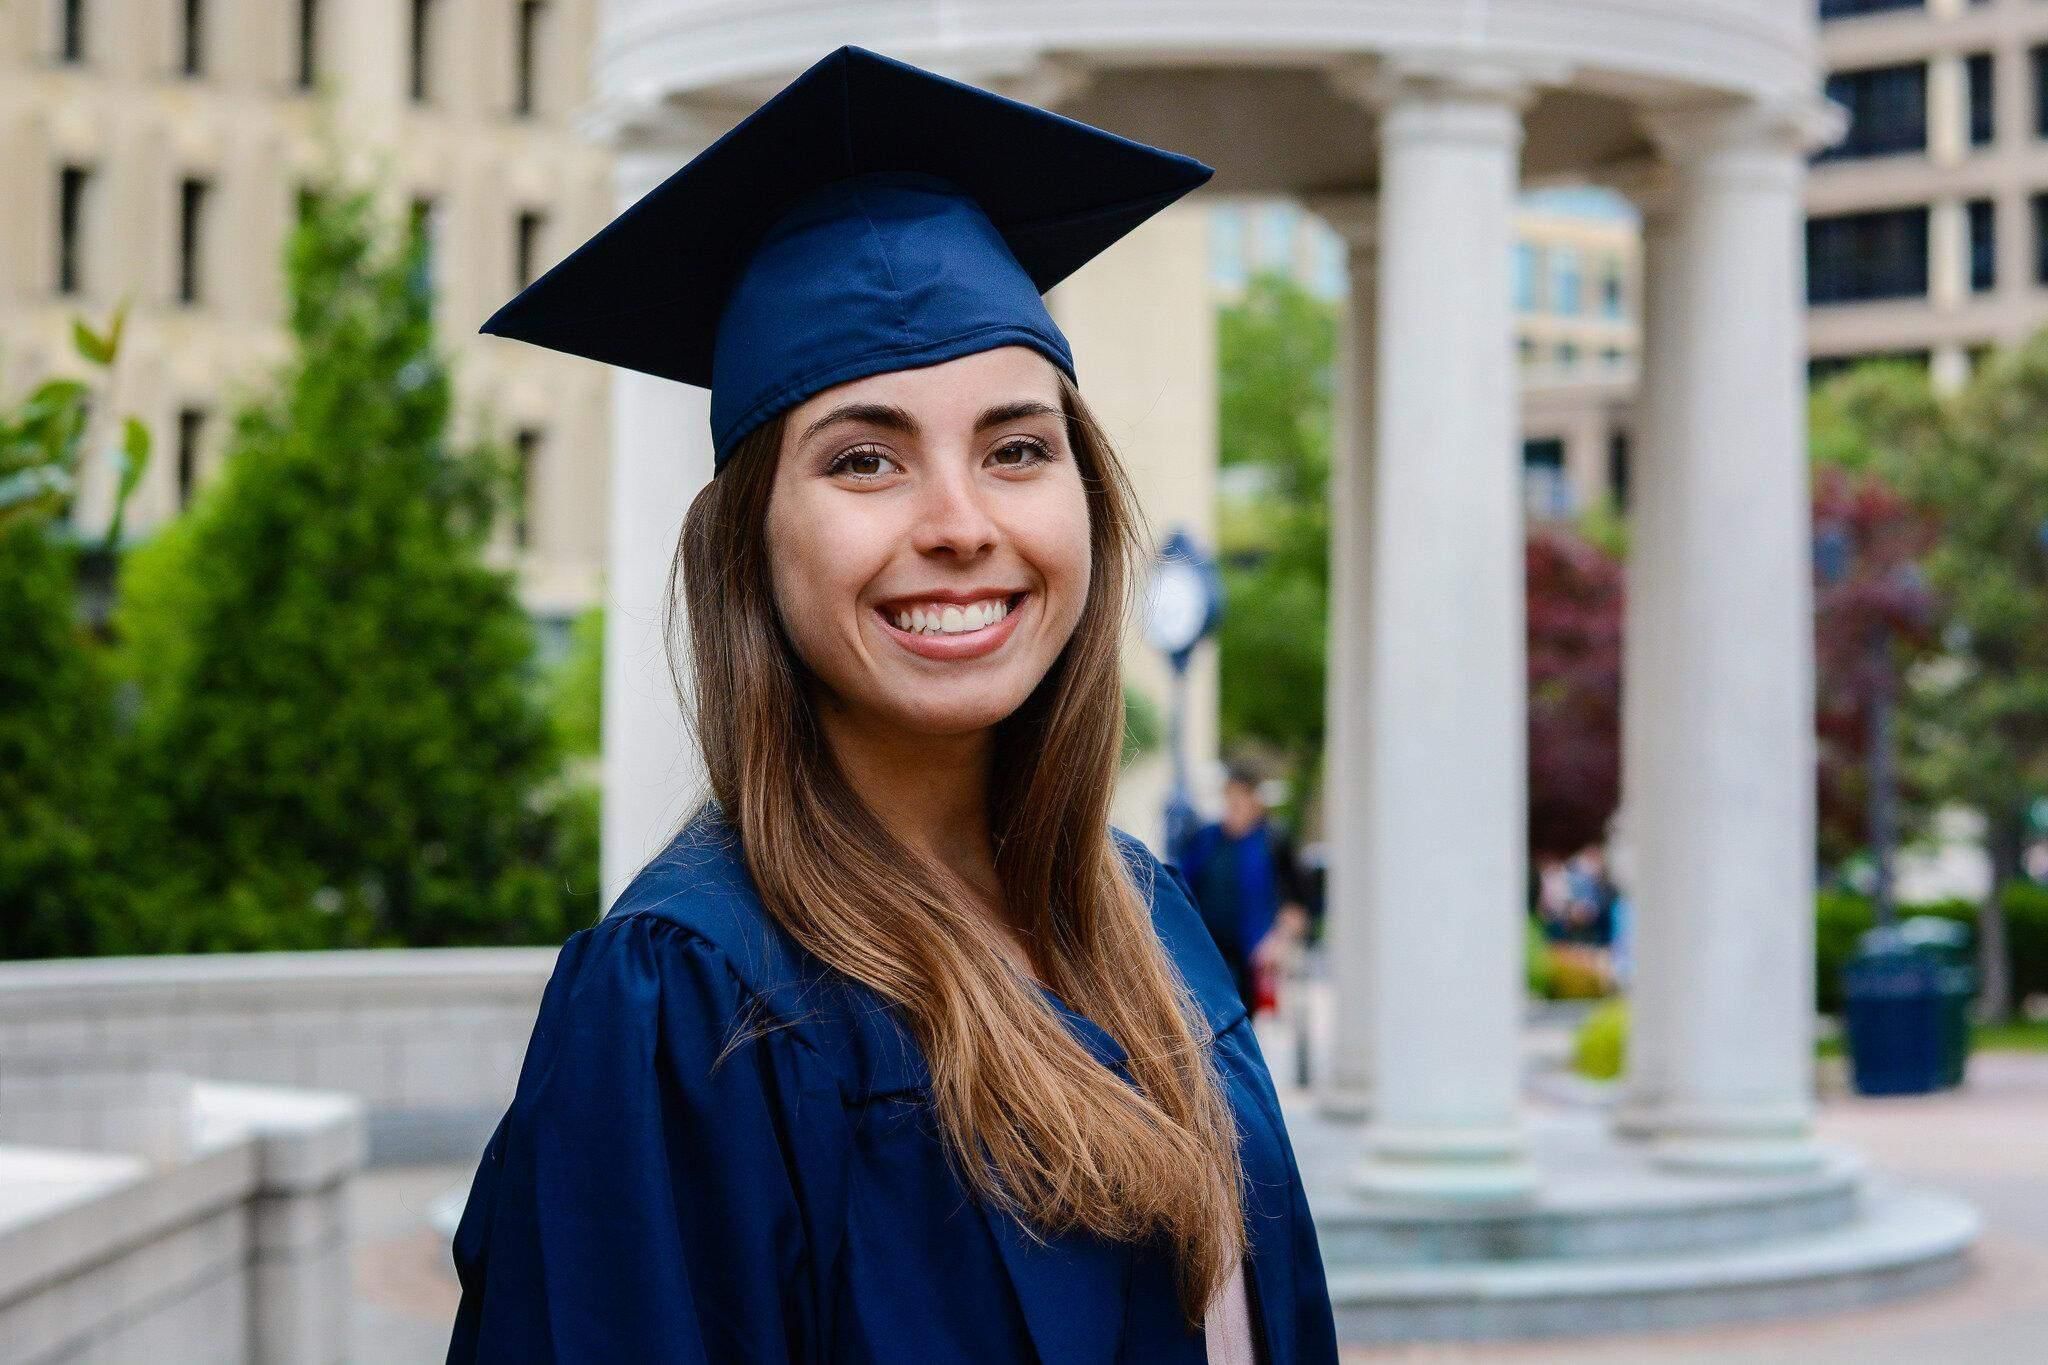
1486,1165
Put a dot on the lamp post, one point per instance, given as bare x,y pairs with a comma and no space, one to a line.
1903,586
1182,606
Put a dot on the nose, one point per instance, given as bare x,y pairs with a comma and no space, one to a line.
953,515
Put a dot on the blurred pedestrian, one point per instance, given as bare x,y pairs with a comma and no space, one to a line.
1248,883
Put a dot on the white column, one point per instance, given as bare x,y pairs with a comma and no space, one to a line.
1445,713
1656,984
661,456
1345,1083
1721,716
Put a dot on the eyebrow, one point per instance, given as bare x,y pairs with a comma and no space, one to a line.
892,418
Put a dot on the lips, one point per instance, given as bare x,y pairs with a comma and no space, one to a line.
971,644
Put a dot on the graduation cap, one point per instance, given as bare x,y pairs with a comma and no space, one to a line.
871,216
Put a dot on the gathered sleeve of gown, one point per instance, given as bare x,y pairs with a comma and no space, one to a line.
668,1183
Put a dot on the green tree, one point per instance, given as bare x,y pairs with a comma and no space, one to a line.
55,736
57,787
1871,430
340,737
1276,350
574,688
1979,721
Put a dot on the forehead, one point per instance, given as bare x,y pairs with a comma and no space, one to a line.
953,391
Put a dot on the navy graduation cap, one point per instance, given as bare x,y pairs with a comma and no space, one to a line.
871,216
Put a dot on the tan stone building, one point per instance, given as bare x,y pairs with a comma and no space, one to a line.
1927,228
153,151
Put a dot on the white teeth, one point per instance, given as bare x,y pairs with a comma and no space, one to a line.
952,620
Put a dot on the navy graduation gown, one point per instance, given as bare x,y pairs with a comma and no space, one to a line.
721,1150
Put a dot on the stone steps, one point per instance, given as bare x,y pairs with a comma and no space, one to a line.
1903,1241
1611,1242
1597,1198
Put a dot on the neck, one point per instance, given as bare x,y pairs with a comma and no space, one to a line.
930,790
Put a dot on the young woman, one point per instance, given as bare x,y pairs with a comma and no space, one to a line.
899,1051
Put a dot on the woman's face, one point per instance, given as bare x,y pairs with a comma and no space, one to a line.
928,539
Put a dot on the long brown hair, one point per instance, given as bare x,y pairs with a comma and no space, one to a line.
1035,1124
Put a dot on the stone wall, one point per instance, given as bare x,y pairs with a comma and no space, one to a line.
430,1040
148,1217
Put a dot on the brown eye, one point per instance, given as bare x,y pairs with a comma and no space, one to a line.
862,462
1031,453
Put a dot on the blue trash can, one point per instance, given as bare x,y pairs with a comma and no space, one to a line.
1892,1015
1956,981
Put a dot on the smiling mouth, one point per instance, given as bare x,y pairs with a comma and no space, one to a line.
948,622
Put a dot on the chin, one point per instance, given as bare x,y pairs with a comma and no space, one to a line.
960,718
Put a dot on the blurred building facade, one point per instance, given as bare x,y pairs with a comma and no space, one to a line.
153,151
1927,225
1576,277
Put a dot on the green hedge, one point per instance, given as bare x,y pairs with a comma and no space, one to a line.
1840,917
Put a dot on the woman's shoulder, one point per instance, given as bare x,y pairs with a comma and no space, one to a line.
699,887
697,904
1178,923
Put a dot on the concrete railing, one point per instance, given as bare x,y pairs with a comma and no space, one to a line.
430,1040
165,1196
145,1216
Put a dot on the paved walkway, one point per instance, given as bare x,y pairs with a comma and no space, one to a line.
405,1284
1988,1143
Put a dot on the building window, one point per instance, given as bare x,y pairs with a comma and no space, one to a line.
1528,273
1887,111
526,247
191,427
73,184
1983,104
1567,354
1528,349
1983,246
526,449
2041,238
1849,9
423,15
1564,280
1226,246
71,31
1333,266
309,43
1273,236
526,57
424,225
192,47
1857,256
192,195
1617,468
1610,357
1545,493
1610,287
2040,56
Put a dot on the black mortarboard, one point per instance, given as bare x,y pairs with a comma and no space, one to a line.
871,216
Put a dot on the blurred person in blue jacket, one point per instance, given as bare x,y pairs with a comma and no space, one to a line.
1247,882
